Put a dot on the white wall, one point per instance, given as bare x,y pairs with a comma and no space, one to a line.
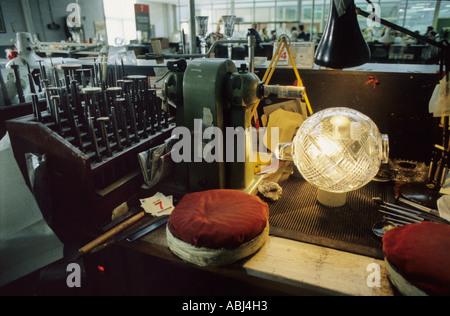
12,14
91,10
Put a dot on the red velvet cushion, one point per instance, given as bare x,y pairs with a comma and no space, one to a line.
218,219
421,254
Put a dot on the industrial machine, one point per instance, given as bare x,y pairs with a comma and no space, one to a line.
215,93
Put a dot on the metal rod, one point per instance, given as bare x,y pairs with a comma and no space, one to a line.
55,102
395,220
150,95
35,105
43,73
133,121
166,112
116,129
193,38
78,136
102,121
251,52
405,218
415,214
120,104
18,83
428,215
411,215
158,112
94,139
417,206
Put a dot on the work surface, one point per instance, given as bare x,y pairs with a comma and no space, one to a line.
295,267
301,267
292,266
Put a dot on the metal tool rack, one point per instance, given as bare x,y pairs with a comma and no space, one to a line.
90,135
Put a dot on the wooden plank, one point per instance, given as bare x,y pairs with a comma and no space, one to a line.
318,268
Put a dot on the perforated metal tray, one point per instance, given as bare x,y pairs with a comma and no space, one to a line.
298,216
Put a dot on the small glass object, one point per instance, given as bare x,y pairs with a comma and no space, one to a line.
337,150
228,24
201,23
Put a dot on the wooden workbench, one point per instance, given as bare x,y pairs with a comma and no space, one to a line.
290,267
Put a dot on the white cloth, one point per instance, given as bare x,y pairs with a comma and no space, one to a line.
444,207
440,100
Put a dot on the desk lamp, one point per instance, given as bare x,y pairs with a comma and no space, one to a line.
343,45
337,150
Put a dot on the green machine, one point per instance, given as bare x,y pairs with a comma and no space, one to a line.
214,104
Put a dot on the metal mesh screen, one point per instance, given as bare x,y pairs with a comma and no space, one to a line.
298,216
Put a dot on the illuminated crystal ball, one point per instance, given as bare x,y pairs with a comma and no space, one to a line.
339,150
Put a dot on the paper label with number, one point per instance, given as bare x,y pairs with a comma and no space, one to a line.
158,205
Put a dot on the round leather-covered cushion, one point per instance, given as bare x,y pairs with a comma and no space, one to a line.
218,219
421,255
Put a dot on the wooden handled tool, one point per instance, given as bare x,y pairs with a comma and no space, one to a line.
111,233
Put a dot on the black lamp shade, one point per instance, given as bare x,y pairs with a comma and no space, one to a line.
342,44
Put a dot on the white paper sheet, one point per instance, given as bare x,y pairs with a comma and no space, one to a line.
27,243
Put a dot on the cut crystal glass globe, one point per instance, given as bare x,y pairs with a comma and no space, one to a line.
339,150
